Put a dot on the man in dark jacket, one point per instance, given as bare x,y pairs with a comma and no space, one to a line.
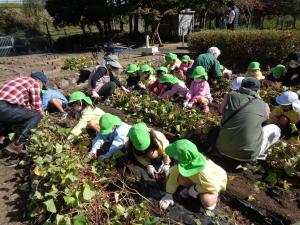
243,137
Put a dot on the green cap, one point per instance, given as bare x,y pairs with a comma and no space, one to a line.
278,70
132,68
190,160
107,122
168,78
198,72
186,58
78,95
254,66
43,92
170,57
139,136
145,68
164,69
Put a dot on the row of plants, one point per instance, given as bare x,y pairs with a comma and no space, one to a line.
76,63
64,187
284,158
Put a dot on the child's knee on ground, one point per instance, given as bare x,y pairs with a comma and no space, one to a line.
209,200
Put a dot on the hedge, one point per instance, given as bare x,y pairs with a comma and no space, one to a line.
239,48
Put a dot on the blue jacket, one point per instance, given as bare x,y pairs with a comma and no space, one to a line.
51,94
118,138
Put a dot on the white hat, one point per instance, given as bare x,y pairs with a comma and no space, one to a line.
114,63
236,83
289,98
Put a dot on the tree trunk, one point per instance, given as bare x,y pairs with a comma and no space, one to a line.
99,27
82,27
121,24
294,22
204,20
136,23
130,23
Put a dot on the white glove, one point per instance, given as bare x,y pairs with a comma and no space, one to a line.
103,157
190,105
151,170
192,192
141,85
165,169
95,94
125,89
185,104
70,138
166,201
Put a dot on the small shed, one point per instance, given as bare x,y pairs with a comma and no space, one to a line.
174,27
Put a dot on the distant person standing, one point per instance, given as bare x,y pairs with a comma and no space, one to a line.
233,17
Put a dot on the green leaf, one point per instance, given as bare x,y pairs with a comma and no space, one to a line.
80,219
119,210
197,222
38,195
50,205
88,194
153,220
271,178
69,200
259,185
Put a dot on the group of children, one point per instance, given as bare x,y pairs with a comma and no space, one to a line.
200,177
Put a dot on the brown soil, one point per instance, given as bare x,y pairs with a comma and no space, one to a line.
12,205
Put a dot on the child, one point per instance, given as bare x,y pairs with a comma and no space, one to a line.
172,87
254,71
133,80
89,115
287,114
111,129
235,85
156,87
186,63
201,177
147,77
54,99
172,62
226,72
276,73
148,148
292,76
199,91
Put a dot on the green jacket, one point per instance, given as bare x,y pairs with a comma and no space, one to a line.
210,64
241,137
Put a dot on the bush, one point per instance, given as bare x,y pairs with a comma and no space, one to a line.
239,48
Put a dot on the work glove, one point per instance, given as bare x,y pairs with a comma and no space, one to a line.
141,85
166,201
165,169
70,138
190,105
103,157
151,170
185,104
192,192
95,94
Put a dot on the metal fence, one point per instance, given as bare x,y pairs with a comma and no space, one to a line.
6,45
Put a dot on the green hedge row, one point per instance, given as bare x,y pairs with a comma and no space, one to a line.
239,48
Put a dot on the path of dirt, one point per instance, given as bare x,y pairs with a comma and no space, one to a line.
11,203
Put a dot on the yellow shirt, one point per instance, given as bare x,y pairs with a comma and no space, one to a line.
148,82
256,74
173,66
87,115
293,116
162,143
212,179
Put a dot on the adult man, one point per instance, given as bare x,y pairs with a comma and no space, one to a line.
233,17
242,136
210,63
20,103
103,81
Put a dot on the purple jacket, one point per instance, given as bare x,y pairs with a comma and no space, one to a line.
198,90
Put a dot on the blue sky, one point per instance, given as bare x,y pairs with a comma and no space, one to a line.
10,1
